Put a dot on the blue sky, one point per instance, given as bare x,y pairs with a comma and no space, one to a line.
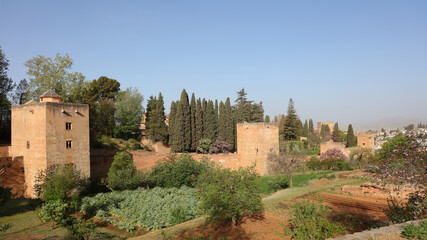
346,61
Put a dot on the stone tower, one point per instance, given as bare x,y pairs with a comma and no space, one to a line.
50,132
255,141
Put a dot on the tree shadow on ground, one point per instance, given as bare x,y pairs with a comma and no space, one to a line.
19,205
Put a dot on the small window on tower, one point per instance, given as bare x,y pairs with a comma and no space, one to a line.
68,126
28,144
68,144
256,151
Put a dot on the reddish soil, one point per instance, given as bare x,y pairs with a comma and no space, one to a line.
266,227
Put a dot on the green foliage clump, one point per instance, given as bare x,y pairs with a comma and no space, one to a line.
107,142
415,232
205,146
309,222
53,211
361,158
399,212
314,163
229,195
134,144
123,174
80,229
176,172
388,147
150,209
270,184
5,227
60,183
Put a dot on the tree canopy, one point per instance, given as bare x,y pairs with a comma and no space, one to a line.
129,113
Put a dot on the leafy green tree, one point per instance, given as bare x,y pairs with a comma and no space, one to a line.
336,136
257,112
155,125
47,73
123,174
291,126
60,183
176,172
129,112
283,164
105,121
229,195
53,211
20,94
267,119
351,141
6,86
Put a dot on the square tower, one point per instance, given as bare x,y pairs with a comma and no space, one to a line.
255,141
50,132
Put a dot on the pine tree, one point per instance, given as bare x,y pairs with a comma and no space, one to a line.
305,129
267,119
351,141
311,126
336,133
199,122
193,123
291,126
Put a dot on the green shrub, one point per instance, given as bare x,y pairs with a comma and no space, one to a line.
314,163
134,144
204,146
107,142
309,222
53,211
270,184
415,232
60,183
81,229
123,174
5,227
176,172
228,195
150,209
399,212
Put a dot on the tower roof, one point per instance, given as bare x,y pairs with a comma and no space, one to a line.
50,93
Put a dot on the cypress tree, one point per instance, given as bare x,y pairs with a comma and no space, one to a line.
351,142
182,125
193,123
291,125
210,124
267,119
305,130
156,128
205,113
311,126
222,130
172,117
276,119
199,122
336,133
229,123
325,132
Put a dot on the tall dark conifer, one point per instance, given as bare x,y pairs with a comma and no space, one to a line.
185,115
211,128
222,130
172,127
230,124
156,128
351,141
291,126
193,123
311,126
336,133
305,129
199,121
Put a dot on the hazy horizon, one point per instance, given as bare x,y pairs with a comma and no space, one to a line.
349,62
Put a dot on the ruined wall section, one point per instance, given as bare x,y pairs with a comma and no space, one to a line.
29,140
57,115
255,141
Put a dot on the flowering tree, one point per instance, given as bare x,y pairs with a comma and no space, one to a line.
220,146
333,154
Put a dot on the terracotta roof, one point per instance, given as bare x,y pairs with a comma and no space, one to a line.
50,93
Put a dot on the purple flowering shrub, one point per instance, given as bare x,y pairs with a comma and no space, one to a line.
333,154
334,159
221,146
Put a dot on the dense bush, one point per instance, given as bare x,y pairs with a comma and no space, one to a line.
60,183
150,209
123,174
309,222
107,142
134,144
270,184
204,146
314,163
220,146
176,172
361,158
53,211
415,232
333,154
399,212
334,159
228,195
328,164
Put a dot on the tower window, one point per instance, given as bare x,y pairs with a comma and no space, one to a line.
28,144
68,144
256,151
68,126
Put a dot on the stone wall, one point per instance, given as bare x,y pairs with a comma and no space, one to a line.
255,141
13,176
